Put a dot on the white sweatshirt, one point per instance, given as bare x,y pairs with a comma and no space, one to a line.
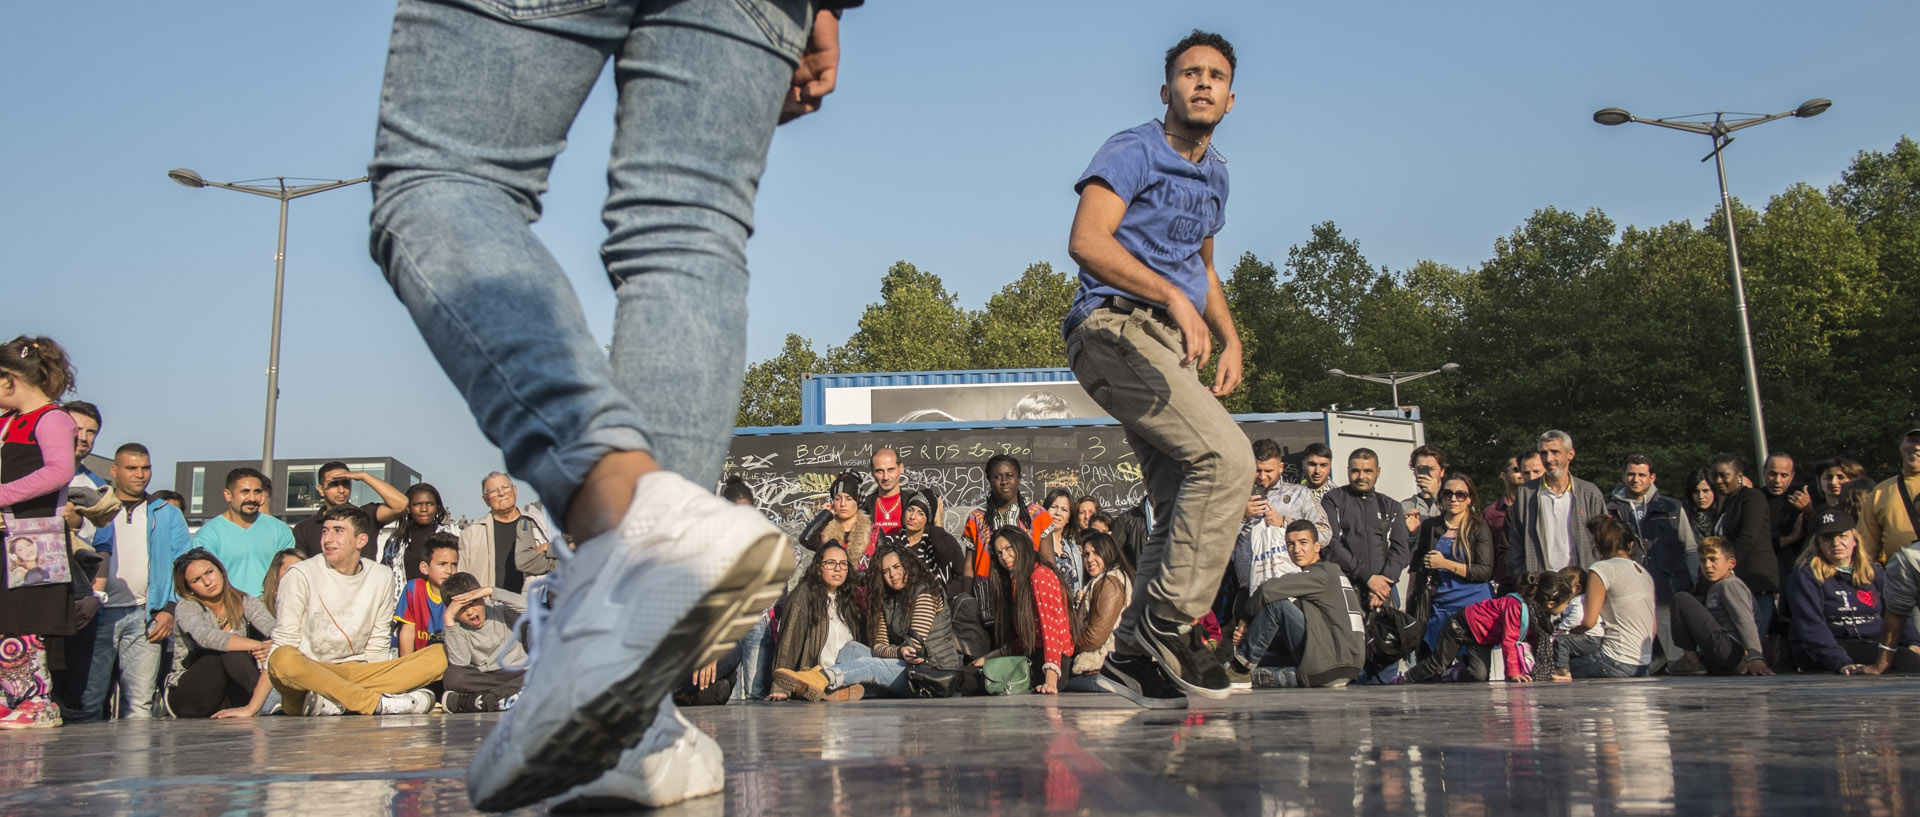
333,618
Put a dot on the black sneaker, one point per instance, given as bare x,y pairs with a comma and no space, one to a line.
1182,651
1138,679
459,702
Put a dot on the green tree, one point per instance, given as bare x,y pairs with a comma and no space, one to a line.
1020,328
770,393
917,326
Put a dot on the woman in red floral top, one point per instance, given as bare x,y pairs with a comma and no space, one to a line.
1031,618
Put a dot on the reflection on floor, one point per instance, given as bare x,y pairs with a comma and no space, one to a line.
1686,746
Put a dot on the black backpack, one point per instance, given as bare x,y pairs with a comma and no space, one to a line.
1392,635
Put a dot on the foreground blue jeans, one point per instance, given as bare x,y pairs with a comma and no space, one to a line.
856,664
1580,654
478,98
1277,636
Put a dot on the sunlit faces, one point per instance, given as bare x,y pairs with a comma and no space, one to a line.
1005,551
1531,467
914,519
1838,548
473,615
1061,508
87,430
1556,455
499,492
1831,481
1303,546
1716,565
1637,479
834,565
131,473
886,471
1910,454
1091,558
1362,472
1316,470
1779,473
335,487
1200,92
844,506
1266,473
1088,507
1426,475
1454,496
422,508
893,571
1726,479
440,564
204,580
340,544
1004,481
246,496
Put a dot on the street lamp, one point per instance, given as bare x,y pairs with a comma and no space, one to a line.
1720,130
1394,379
280,190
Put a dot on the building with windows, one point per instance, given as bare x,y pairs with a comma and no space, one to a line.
295,492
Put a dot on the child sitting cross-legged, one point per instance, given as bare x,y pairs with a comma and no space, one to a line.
479,620
1526,615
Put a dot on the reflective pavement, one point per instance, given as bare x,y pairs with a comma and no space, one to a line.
1788,745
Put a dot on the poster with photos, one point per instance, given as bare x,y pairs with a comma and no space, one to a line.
36,552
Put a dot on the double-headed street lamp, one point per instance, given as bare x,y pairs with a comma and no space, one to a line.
285,193
1393,379
1720,130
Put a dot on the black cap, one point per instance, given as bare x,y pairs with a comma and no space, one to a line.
915,499
1833,521
846,484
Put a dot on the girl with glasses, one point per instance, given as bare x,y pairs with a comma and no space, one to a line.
817,621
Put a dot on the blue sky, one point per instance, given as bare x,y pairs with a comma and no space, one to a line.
1425,130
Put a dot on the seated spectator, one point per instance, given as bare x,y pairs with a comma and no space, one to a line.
1619,592
333,630
935,548
1834,601
1006,506
1744,521
1308,628
1898,611
221,638
1575,611
1260,550
1718,636
844,522
1524,616
1059,542
1453,556
1031,614
478,621
907,623
1097,608
277,569
818,619
422,609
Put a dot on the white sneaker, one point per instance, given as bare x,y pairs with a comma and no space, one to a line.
417,702
674,761
635,610
318,704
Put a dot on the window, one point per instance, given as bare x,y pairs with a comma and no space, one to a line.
197,500
302,493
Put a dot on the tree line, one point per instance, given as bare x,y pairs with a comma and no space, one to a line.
1625,338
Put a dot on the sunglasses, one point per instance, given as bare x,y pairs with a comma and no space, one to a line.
1452,494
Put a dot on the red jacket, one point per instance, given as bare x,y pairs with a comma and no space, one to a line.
1501,621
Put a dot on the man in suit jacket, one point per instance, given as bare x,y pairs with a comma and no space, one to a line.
1547,526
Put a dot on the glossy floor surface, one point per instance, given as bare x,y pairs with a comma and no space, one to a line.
1823,745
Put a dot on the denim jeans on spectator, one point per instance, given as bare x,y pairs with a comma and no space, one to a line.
478,98
139,661
1580,654
856,664
1276,637
99,680
756,648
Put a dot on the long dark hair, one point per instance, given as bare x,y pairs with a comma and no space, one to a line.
1472,526
1019,496
1542,592
1017,617
874,583
843,599
270,594
410,555
1070,526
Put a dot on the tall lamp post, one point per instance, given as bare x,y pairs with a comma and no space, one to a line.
285,193
1720,130
1394,379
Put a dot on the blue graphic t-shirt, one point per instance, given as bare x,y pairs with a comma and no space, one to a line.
1173,205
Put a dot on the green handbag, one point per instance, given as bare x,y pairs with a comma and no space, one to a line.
1011,675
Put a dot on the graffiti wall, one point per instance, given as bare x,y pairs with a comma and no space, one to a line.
790,474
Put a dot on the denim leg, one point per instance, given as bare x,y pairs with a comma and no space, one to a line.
139,667
1276,636
700,85
856,664
105,652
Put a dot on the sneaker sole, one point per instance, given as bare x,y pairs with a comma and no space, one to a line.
1167,662
1138,699
590,741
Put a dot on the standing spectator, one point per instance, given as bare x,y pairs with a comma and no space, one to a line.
937,550
1097,609
426,515
1702,504
1006,507
1521,468
1370,541
1429,464
1260,553
70,681
1834,602
1619,592
886,507
1742,521
222,639
1889,525
1717,635
36,465
1307,629
1787,501
1032,618
331,638
478,622
844,522
1059,546
509,544
87,423
144,539
1083,512
1667,546
244,537
1149,302
1452,558
1834,475
336,489
1547,528
1316,470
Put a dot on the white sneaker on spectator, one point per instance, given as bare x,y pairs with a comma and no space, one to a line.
417,702
634,610
674,761
318,704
